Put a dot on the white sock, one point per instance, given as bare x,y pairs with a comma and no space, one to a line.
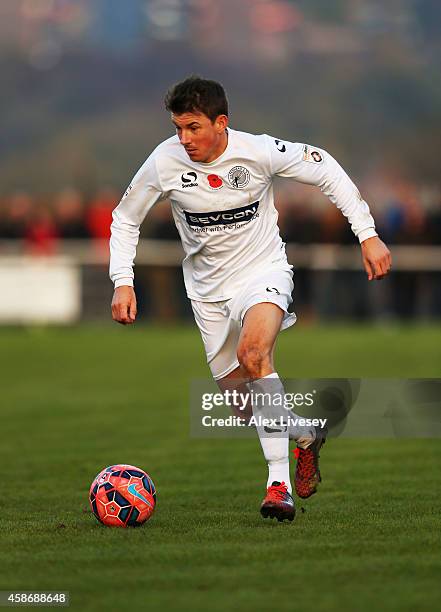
304,436
275,444
279,472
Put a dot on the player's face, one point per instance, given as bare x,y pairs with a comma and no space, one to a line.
203,140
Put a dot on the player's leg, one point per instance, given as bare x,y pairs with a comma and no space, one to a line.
275,286
237,381
308,476
256,373
255,351
221,326
255,354
260,327
220,333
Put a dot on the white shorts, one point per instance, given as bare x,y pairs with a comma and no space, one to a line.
220,323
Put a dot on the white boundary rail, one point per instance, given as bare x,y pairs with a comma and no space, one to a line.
312,256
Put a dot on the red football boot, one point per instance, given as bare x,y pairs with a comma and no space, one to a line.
307,468
278,503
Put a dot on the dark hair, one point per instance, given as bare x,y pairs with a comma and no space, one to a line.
197,95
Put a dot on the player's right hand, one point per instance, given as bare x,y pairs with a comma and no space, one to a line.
124,305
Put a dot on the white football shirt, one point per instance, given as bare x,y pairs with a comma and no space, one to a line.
224,210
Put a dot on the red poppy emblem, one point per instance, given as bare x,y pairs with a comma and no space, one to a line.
215,181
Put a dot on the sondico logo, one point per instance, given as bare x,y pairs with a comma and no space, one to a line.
189,179
222,217
280,146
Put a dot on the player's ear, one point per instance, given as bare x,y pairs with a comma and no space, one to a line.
221,122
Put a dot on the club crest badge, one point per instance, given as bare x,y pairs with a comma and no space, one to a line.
239,177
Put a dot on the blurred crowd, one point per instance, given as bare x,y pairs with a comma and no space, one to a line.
404,213
43,222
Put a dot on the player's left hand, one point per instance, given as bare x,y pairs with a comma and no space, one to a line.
377,259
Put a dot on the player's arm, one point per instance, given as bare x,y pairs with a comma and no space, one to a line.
143,193
314,166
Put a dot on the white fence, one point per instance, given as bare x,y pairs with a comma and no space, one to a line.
74,284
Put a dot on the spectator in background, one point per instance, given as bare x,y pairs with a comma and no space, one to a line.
297,214
15,218
3,212
298,223
405,220
332,230
434,224
158,286
69,214
41,235
99,214
164,227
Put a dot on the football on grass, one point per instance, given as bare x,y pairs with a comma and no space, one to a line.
122,496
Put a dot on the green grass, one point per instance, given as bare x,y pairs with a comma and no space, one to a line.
75,400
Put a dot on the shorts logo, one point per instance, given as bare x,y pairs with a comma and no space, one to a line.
239,177
214,181
272,290
222,217
312,156
280,146
189,179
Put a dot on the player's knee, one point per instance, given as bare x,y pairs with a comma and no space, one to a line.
253,359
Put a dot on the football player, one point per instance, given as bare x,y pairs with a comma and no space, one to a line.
220,184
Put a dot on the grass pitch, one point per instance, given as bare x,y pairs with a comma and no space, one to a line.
76,400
